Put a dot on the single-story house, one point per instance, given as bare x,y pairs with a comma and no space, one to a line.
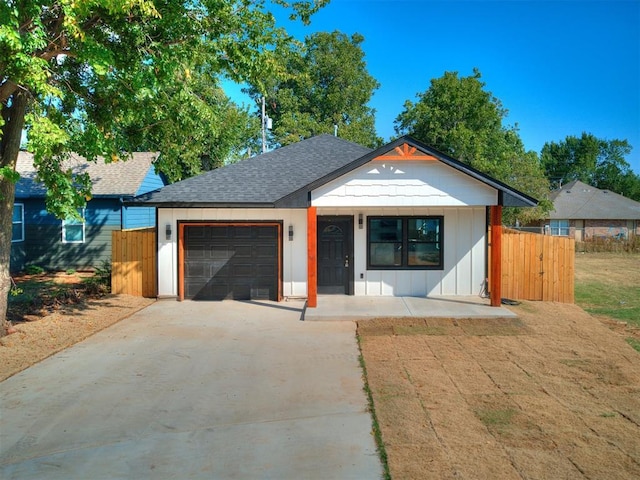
328,216
41,239
588,213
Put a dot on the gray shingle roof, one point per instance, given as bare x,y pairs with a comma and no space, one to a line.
263,180
579,201
116,179
284,177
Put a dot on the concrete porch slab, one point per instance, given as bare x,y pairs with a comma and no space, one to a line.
344,307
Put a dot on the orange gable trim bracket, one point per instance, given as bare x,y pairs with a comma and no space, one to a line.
405,152
312,257
495,288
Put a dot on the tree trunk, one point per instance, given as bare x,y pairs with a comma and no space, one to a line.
13,115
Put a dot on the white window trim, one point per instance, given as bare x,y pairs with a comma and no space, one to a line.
64,240
21,205
558,228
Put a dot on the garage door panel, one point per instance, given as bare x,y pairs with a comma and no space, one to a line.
266,234
197,251
196,234
242,232
196,269
245,270
266,270
265,251
231,262
218,252
219,269
243,251
219,232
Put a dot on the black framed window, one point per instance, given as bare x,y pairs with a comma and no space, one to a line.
405,243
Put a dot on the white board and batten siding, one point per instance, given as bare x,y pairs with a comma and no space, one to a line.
464,255
408,188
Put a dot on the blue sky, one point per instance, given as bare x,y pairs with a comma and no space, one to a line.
559,67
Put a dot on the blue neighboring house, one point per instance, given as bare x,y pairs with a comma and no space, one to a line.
40,238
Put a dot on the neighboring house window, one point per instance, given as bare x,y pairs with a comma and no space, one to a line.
405,243
560,228
17,231
73,229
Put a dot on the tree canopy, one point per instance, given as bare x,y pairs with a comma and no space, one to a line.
196,126
457,116
594,161
82,76
326,86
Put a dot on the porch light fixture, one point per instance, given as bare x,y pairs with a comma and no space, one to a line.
360,222
291,233
168,231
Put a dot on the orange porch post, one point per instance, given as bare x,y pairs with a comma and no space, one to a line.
495,287
312,258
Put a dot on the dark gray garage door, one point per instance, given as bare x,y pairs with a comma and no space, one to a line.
238,262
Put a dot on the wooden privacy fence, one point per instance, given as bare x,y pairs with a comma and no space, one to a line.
537,267
133,259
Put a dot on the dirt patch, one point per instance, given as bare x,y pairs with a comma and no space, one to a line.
551,394
51,331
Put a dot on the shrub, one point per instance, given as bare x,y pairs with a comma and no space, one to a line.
100,282
33,270
610,244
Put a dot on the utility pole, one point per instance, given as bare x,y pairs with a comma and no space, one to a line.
264,130
267,124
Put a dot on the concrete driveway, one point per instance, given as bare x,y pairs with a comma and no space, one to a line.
194,390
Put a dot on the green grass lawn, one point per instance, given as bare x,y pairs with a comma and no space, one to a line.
621,302
609,285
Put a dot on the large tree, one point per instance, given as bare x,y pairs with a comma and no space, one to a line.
327,87
196,126
457,116
72,73
594,161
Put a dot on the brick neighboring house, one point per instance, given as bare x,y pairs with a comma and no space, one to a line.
588,213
